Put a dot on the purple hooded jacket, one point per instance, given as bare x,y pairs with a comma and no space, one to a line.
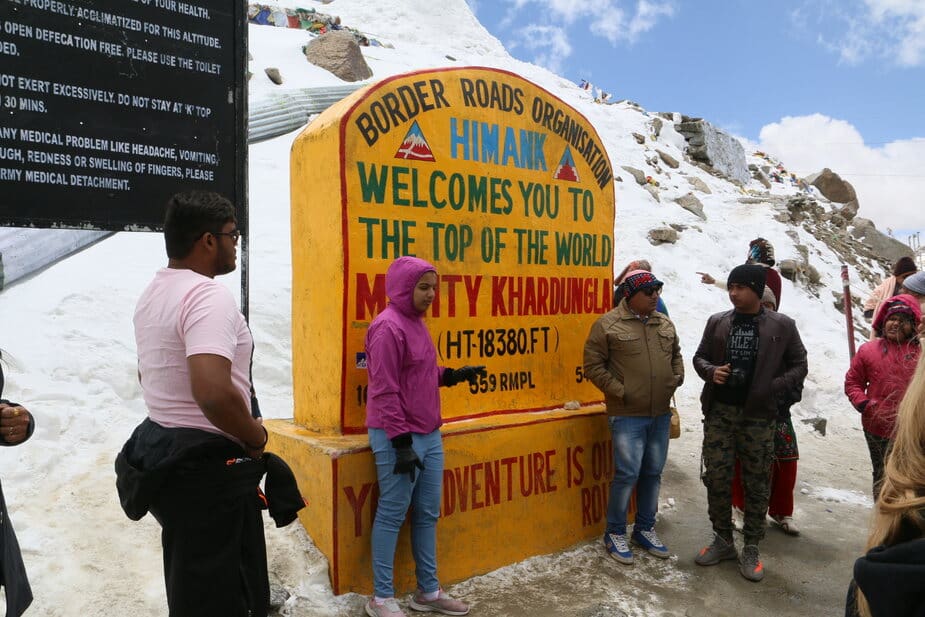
404,378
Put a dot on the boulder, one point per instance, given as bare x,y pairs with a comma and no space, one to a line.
274,75
760,177
662,235
668,159
832,186
690,203
716,148
637,174
338,52
653,191
640,139
849,210
699,185
790,269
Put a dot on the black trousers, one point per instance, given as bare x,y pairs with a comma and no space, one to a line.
878,447
215,560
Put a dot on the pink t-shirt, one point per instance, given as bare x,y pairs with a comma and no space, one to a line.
181,314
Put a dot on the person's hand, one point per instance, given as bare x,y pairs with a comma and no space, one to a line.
467,373
706,279
922,329
255,451
406,459
14,423
721,374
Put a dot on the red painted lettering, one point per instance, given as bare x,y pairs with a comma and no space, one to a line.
538,467
369,301
449,493
472,291
356,504
493,483
550,471
462,488
476,486
507,462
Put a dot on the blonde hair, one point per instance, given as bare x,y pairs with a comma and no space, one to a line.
902,494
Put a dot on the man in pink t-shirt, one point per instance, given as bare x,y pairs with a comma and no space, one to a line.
195,462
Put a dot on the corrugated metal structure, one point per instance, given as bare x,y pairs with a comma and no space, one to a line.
287,111
25,251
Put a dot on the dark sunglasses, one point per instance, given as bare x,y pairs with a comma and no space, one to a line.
234,234
650,291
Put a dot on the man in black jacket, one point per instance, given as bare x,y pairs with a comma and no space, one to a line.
16,426
748,358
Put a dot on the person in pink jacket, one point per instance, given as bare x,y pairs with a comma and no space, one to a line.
889,287
880,373
403,421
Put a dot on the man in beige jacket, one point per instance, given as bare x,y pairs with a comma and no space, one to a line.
633,355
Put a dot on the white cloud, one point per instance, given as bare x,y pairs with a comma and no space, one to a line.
549,45
605,18
889,179
891,30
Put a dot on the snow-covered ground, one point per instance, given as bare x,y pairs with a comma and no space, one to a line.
68,339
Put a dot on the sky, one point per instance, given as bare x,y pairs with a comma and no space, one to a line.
816,83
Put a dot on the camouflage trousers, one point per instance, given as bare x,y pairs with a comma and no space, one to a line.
727,434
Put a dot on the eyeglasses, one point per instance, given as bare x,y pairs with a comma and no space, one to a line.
650,291
233,234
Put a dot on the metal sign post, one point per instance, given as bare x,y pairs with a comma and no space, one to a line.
849,319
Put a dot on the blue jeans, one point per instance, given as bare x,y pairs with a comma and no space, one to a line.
640,447
396,494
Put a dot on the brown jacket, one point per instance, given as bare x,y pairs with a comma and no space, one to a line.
636,365
779,371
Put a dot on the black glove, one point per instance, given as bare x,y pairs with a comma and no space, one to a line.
406,459
453,376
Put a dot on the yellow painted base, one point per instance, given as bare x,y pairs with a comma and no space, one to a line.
514,486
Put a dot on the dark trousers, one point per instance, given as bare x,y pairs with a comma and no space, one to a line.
215,562
727,435
878,447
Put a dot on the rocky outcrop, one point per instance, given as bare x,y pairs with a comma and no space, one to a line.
662,235
708,144
339,53
887,248
832,186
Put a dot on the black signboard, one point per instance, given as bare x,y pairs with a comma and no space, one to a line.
108,107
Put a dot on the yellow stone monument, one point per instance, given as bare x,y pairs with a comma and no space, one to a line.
508,191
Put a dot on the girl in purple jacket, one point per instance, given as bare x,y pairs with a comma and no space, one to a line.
403,420
880,373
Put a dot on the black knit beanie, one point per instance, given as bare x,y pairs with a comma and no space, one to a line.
904,265
752,276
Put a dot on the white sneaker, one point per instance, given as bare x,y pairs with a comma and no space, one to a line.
738,519
786,524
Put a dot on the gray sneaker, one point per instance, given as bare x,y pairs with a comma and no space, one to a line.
719,550
750,564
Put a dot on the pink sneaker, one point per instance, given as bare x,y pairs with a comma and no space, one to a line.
386,608
443,604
